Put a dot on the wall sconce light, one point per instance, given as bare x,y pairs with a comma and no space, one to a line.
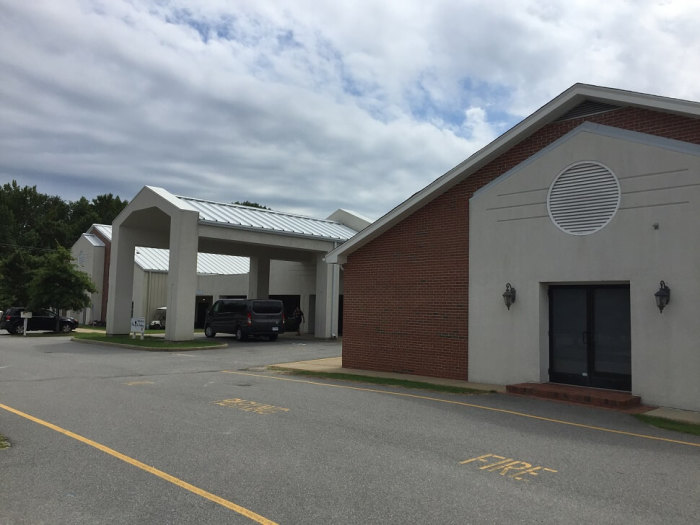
662,296
509,296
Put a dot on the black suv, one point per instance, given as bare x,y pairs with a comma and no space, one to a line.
13,322
245,318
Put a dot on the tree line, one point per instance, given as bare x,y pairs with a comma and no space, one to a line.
36,233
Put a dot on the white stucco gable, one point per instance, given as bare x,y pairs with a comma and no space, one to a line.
650,237
604,133
89,256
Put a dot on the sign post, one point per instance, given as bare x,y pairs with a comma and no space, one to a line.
26,316
138,325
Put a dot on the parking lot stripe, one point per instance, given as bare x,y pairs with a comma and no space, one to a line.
471,405
152,470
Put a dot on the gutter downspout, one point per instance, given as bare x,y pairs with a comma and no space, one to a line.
337,265
333,267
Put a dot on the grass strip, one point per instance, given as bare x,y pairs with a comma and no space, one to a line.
390,381
670,424
148,330
151,343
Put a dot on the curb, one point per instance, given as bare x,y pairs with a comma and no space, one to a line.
146,348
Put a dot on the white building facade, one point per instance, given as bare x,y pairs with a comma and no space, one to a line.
585,231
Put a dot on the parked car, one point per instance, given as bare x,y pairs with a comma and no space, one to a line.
245,318
13,322
159,318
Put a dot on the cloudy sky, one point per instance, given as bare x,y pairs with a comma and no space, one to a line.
305,106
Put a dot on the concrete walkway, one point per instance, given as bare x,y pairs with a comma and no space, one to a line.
334,365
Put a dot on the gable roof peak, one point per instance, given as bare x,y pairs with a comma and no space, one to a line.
558,107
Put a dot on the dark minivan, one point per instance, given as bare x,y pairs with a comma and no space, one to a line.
245,318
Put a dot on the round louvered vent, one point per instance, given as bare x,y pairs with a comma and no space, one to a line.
583,198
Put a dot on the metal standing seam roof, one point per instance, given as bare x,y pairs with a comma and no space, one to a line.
104,229
93,239
269,220
157,259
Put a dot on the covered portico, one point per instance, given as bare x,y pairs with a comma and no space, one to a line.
156,218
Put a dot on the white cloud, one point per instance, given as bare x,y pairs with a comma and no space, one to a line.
304,106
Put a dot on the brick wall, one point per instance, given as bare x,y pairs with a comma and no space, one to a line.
406,293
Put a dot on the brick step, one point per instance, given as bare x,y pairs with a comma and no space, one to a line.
577,394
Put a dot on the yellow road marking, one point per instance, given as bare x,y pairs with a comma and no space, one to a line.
251,406
471,405
504,465
152,470
134,383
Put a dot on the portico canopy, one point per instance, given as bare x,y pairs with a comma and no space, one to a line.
184,225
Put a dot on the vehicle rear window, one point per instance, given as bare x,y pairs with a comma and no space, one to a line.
232,307
267,307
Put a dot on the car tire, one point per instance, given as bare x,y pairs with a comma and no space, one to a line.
11,330
19,329
209,332
66,328
240,335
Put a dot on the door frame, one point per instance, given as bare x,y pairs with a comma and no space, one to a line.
593,378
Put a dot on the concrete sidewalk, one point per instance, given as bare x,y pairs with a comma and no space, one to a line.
334,365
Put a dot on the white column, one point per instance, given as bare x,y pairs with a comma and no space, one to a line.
259,278
327,294
304,305
121,281
182,276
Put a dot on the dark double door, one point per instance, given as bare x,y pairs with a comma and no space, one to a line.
589,336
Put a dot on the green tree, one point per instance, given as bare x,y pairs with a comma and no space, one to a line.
31,220
57,284
107,207
36,222
33,224
17,271
82,215
22,211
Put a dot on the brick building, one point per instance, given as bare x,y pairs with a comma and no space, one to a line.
583,209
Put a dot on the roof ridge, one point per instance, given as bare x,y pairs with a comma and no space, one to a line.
261,210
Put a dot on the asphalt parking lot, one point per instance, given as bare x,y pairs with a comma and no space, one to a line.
104,434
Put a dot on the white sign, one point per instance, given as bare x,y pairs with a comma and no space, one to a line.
138,326
26,316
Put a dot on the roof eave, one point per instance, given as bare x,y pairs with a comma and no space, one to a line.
551,111
256,229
